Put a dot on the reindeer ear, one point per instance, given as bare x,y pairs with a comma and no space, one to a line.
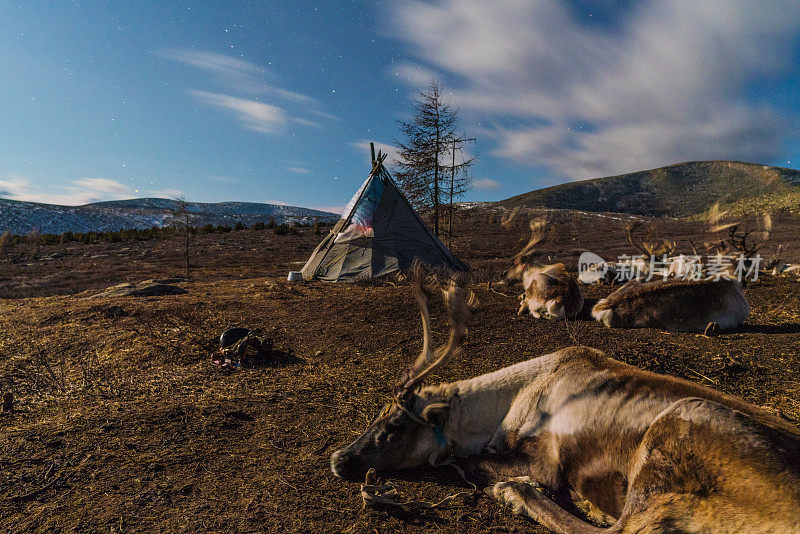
436,414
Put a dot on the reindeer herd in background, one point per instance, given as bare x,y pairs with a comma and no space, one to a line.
685,296
643,452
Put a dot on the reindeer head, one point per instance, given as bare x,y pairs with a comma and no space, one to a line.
410,429
515,273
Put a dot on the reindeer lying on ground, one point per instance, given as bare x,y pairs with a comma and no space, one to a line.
708,304
676,305
549,289
651,452
636,267
778,267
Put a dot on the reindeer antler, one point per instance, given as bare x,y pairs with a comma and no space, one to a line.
537,236
508,220
635,226
737,234
460,303
649,248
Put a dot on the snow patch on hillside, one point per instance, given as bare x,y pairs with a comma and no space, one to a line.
21,217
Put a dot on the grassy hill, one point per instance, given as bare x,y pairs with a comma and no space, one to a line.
677,190
20,217
779,201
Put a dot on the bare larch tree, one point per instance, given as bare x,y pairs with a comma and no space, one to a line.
428,170
180,214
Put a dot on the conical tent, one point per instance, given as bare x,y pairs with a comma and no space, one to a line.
379,233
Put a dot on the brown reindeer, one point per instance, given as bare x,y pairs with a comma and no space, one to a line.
675,305
713,303
549,290
650,453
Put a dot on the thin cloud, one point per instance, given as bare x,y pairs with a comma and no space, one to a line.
306,122
487,184
323,114
239,76
291,96
667,82
247,76
414,75
78,192
298,170
103,185
226,66
250,114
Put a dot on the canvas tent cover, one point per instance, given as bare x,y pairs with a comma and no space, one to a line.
379,233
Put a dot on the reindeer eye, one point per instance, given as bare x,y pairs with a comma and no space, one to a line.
387,433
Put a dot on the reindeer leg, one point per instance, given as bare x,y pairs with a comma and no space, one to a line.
501,460
523,305
491,467
524,498
535,306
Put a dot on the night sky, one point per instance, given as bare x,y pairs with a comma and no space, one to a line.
277,101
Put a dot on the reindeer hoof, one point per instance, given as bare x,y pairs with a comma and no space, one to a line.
508,495
510,492
712,330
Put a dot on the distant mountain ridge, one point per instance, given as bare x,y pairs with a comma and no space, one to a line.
20,217
676,190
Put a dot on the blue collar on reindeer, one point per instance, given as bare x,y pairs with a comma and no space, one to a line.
440,438
438,431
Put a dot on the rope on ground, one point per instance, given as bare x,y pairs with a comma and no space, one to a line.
493,290
373,493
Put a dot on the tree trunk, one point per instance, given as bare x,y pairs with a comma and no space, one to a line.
188,272
452,185
436,179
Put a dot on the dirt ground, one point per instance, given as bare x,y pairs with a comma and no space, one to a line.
122,424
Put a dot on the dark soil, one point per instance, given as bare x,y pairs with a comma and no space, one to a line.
122,424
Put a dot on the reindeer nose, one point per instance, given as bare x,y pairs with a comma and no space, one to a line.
346,465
